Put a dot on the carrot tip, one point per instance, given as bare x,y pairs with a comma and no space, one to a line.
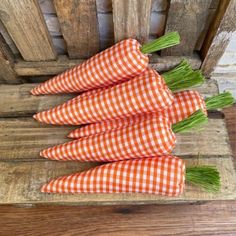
43,189
70,135
42,154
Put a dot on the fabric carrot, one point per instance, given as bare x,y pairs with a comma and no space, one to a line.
123,61
165,175
145,93
185,103
151,137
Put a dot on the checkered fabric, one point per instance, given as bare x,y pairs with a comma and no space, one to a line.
122,61
185,104
158,175
148,138
143,94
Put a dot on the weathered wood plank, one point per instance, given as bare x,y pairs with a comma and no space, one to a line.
24,22
79,26
20,183
17,101
210,17
24,68
211,218
218,37
188,18
8,39
7,74
103,6
23,138
15,98
131,19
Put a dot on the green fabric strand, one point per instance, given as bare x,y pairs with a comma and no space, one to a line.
165,41
219,101
194,121
183,77
206,177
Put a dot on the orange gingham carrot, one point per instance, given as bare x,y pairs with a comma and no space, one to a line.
185,104
122,61
145,139
158,175
143,94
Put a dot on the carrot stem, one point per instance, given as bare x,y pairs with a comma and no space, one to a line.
165,41
182,77
194,121
206,177
219,101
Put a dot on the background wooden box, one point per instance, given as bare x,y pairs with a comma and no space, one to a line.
43,38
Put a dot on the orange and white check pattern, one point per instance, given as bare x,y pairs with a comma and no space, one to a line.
185,104
120,62
144,94
158,175
148,138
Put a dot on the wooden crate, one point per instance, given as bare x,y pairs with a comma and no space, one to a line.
28,52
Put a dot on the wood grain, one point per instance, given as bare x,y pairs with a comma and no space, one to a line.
7,74
25,24
209,18
230,117
24,68
218,37
20,95
213,218
23,138
79,26
21,181
103,6
188,18
131,19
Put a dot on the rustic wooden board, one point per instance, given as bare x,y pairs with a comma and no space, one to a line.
24,68
15,99
188,18
20,183
7,74
24,22
210,17
79,26
8,39
217,39
131,19
23,139
211,218
103,6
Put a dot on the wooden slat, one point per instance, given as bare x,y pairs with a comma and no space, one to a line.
15,98
211,218
23,138
188,18
24,68
7,74
103,6
79,26
20,183
210,16
131,19
24,22
17,101
218,37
